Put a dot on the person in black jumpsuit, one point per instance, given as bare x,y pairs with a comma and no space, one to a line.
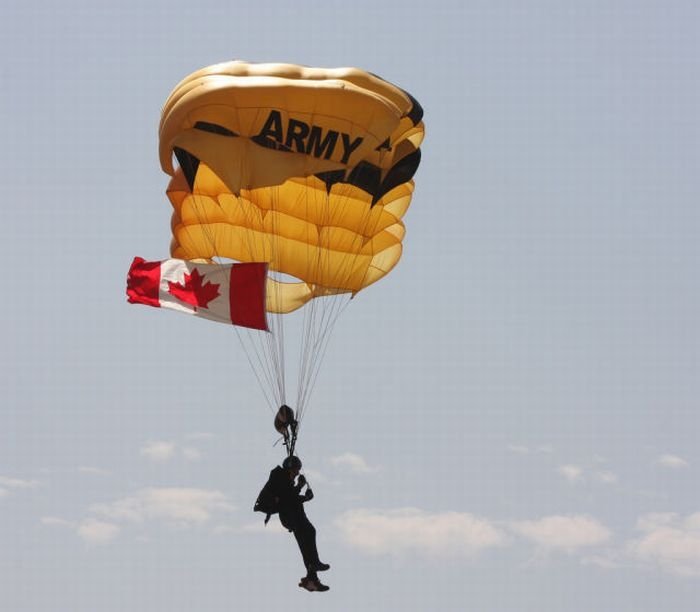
292,516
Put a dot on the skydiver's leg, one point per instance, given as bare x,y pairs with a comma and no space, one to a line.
305,534
306,538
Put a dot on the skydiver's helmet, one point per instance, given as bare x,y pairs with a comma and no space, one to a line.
292,463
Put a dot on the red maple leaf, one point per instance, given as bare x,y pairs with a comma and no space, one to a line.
194,291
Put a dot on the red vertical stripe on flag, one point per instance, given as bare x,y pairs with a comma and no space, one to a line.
247,295
142,282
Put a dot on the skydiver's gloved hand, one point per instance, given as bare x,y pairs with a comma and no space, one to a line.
309,495
301,480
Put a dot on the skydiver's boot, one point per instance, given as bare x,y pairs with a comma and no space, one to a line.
320,566
312,584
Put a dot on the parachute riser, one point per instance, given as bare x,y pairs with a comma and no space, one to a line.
291,441
287,425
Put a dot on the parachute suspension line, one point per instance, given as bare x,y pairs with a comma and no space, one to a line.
266,356
276,337
303,203
333,315
314,329
316,302
260,354
318,347
321,314
252,353
275,351
308,326
342,254
271,401
317,335
266,345
319,322
310,307
263,363
318,326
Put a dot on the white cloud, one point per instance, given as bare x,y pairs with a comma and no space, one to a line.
92,531
608,560
353,462
572,473
672,461
566,533
17,483
159,451
518,449
180,507
670,542
409,530
692,522
314,476
191,454
97,532
173,507
3,492
53,521
606,477
654,520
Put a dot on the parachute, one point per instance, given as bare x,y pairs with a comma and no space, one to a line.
309,170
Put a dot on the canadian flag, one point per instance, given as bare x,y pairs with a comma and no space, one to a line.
228,293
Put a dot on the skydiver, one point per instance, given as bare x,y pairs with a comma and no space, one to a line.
292,516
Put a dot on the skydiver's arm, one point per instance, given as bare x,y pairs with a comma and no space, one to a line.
301,482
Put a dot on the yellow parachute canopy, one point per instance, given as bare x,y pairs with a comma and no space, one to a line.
307,169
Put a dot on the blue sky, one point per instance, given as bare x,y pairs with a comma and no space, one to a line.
508,421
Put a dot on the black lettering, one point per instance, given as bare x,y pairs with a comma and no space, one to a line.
349,147
303,138
317,147
297,131
272,128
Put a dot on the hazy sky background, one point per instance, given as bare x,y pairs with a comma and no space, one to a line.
506,422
